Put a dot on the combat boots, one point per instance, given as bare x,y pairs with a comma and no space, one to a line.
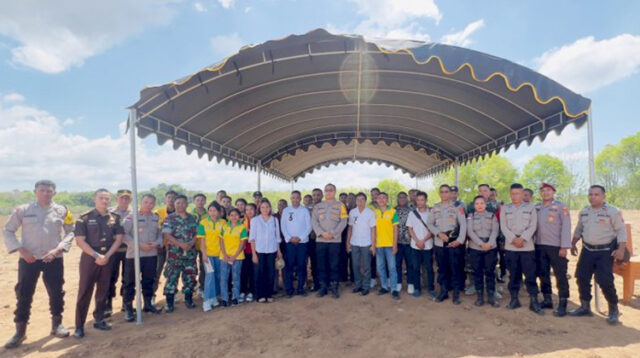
188,300
491,299
514,303
128,312
169,305
583,310
547,302
561,311
534,306
149,306
18,338
57,329
612,319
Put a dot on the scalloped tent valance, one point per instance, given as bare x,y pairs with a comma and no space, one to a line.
294,105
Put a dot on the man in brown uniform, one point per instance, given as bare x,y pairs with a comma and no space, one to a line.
123,199
99,234
40,250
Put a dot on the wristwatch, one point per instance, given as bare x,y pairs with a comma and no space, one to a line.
95,255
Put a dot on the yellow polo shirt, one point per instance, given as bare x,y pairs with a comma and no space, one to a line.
162,214
385,221
232,237
211,232
199,217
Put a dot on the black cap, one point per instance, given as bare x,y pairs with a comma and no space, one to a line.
454,188
257,193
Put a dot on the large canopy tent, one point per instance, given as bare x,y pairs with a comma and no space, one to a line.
289,106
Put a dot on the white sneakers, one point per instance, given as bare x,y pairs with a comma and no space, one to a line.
410,289
249,297
206,306
398,287
373,282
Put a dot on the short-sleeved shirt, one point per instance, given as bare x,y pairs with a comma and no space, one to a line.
265,234
232,237
481,227
554,225
419,229
600,226
99,230
199,217
518,221
182,229
211,232
361,224
403,231
385,221
331,217
148,232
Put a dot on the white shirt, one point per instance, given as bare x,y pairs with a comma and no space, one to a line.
296,222
419,229
361,224
266,234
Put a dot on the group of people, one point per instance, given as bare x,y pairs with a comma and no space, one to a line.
229,255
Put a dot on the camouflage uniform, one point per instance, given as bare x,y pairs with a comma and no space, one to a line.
180,261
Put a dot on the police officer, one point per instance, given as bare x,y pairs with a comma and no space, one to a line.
604,237
553,239
40,250
179,231
149,241
483,228
449,228
329,219
123,198
99,234
316,198
518,224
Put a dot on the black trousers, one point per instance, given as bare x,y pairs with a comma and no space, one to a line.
147,273
266,275
248,276
600,264
328,255
344,258
92,275
547,258
484,269
313,261
449,273
519,263
28,274
404,254
162,259
117,269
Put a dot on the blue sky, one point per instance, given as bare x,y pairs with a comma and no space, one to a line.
68,73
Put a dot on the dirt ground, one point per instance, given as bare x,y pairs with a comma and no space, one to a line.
352,326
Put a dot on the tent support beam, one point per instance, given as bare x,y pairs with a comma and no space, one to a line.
592,181
259,175
457,177
133,120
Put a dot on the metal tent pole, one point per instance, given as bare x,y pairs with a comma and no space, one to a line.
457,178
259,172
292,185
592,181
133,119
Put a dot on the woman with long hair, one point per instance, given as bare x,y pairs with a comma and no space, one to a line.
265,240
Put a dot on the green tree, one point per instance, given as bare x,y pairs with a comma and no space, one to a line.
618,169
545,168
391,187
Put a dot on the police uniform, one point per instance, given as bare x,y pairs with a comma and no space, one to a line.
520,221
179,261
42,227
148,232
118,258
483,228
100,233
553,233
448,219
331,217
601,229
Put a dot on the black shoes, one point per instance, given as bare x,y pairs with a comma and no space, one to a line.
149,306
335,290
57,329
480,300
356,290
547,302
302,293
79,332
128,312
234,302
188,301
395,295
456,297
583,310
168,307
102,325
18,337
614,314
491,299
322,291
534,306
442,296
364,292
382,291
561,311
514,303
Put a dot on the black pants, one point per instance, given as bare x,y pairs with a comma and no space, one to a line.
484,269
92,274
419,258
449,273
547,258
328,255
117,269
162,259
296,261
248,276
313,261
344,258
519,263
599,263
500,253
266,275
28,274
147,273
404,255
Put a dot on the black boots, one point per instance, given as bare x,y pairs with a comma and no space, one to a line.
169,305
612,319
547,302
456,297
561,311
19,337
149,306
514,303
128,312
322,291
480,300
534,306
583,310
442,296
334,290
188,300
491,299
57,329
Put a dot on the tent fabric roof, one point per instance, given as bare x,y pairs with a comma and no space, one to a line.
296,104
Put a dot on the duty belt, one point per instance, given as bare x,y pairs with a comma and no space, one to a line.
604,247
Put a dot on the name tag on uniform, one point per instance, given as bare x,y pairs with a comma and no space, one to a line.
551,219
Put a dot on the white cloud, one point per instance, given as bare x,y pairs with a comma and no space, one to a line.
52,37
570,136
199,7
462,38
227,3
247,9
588,64
568,157
227,45
12,98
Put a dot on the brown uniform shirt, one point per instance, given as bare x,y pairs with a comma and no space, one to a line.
99,230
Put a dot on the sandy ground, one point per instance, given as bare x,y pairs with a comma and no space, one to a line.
352,326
